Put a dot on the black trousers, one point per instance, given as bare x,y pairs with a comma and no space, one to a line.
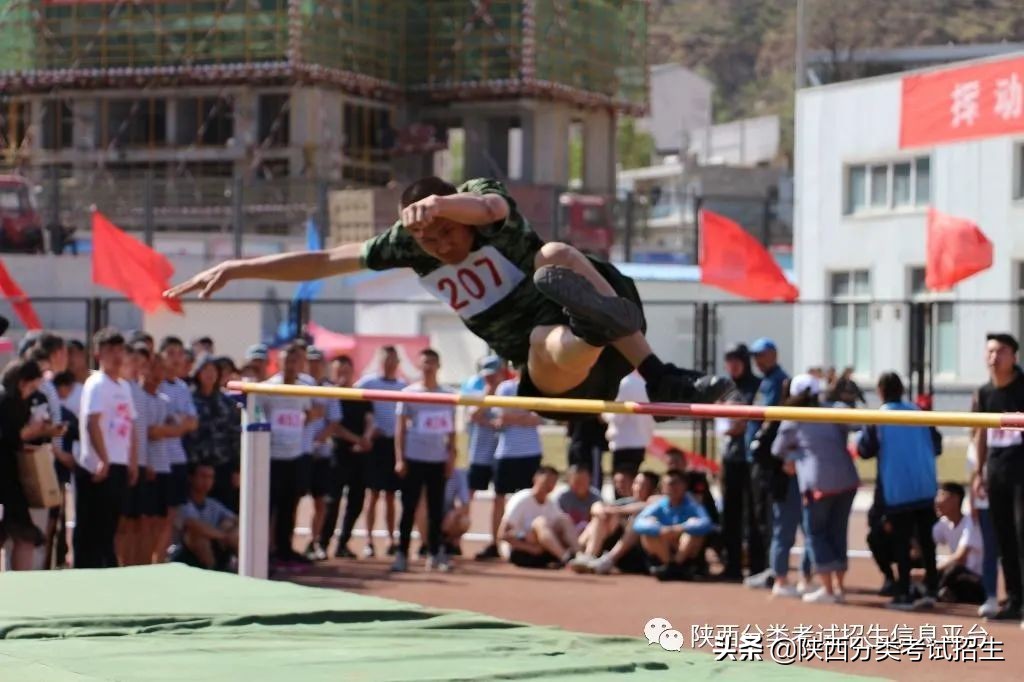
289,481
738,521
762,491
417,476
97,513
914,524
965,585
350,470
881,546
1006,509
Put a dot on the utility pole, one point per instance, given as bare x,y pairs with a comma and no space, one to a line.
801,45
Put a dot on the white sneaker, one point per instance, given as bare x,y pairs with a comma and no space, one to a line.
989,608
804,587
759,581
602,565
439,562
582,563
787,591
840,597
820,596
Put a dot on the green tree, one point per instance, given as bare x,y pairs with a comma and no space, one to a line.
635,148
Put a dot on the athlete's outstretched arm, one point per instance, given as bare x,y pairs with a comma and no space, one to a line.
466,208
285,267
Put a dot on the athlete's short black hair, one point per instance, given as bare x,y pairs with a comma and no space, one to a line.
425,187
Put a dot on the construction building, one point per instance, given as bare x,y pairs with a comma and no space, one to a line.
183,114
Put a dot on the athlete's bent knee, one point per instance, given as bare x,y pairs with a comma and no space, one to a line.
557,253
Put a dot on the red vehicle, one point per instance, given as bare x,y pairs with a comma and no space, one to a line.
21,226
587,223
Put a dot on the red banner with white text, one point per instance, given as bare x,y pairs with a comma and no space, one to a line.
965,103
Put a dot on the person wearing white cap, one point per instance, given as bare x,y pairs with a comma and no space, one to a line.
827,481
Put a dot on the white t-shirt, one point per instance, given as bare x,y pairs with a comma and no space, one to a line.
522,508
630,431
287,417
963,534
74,399
112,400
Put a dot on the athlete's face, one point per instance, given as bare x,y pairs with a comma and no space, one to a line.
445,240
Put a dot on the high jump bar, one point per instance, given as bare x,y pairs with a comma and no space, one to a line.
830,415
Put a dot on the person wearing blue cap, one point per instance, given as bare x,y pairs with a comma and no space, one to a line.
256,357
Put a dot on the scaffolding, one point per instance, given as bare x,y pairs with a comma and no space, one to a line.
590,52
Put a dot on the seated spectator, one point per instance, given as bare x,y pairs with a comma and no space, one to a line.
699,487
207,531
578,497
622,481
960,574
672,530
538,533
456,512
611,541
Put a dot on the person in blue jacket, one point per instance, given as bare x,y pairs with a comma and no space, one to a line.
673,530
906,472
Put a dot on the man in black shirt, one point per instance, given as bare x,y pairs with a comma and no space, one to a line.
352,446
1001,461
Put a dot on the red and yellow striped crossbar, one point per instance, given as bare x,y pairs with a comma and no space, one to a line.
830,415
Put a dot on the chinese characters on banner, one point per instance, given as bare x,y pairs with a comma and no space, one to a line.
963,103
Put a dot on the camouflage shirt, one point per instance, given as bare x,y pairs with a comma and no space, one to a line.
492,289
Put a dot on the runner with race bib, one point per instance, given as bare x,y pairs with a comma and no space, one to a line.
572,324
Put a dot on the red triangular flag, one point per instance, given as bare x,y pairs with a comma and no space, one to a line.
123,263
21,303
957,249
731,259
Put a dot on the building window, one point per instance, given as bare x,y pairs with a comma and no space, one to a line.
367,144
57,125
129,123
14,118
895,185
850,330
940,323
205,121
274,121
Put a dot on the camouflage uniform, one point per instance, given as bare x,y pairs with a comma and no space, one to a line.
492,289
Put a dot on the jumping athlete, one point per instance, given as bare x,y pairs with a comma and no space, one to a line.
573,324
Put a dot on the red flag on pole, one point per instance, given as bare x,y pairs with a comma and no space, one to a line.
123,263
731,259
21,303
957,249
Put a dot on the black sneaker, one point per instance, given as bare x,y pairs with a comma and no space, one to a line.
343,552
424,552
901,602
392,549
676,385
593,317
888,588
488,552
1007,612
673,571
314,552
452,550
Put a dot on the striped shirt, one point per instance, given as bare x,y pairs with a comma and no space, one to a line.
383,412
48,389
182,405
483,439
153,410
515,441
310,429
139,398
456,488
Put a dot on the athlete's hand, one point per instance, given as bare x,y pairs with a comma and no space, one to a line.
422,213
400,468
206,282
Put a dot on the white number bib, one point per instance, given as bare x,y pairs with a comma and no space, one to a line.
1003,438
434,422
475,284
288,421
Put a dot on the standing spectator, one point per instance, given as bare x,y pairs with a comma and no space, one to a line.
78,365
483,442
424,458
538,533
1001,457
228,371
518,452
353,442
611,531
207,531
20,380
880,542
108,460
828,482
738,521
774,495
316,440
960,574
157,428
289,466
129,540
138,336
381,477
202,345
844,389
578,498
65,384
256,357
629,434
906,471
183,412
216,440
672,530
456,512
587,444
990,545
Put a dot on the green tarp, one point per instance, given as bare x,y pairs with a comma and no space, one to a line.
176,623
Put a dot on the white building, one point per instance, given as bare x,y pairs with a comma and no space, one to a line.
860,225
